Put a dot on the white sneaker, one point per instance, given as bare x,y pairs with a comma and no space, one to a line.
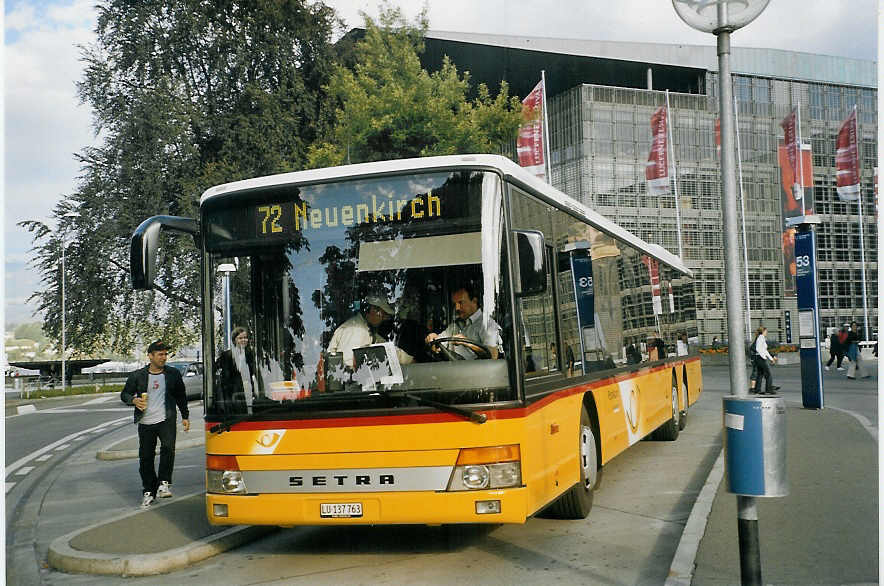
827,368
840,368
165,490
147,500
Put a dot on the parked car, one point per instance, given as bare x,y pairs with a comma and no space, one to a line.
192,372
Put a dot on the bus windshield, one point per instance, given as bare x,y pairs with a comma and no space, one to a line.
330,293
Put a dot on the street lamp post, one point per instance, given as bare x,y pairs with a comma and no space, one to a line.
225,268
63,236
721,18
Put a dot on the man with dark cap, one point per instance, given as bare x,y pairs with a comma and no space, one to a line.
364,329
155,391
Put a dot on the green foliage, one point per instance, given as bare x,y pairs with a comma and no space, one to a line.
184,95
391,108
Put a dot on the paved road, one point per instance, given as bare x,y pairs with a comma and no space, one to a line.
55,419
629,538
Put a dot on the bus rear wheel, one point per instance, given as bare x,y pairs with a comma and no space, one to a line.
683,420
668,432
577,501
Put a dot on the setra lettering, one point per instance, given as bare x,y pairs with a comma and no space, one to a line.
344,480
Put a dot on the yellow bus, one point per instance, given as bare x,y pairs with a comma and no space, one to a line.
436,340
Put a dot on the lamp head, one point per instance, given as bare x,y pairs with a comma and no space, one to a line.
715,16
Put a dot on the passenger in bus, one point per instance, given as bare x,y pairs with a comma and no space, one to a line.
681,346
656,348
633,354
238,373
469,326
369,326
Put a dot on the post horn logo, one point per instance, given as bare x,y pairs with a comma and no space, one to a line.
631,408
268,439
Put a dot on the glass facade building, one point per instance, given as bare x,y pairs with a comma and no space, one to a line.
600,138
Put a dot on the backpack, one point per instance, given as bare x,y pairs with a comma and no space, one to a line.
753,349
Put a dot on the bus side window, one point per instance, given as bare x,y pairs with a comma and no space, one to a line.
539,347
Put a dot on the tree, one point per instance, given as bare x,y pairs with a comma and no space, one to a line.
390,108
185,95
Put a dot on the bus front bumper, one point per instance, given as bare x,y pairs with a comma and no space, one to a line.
502,506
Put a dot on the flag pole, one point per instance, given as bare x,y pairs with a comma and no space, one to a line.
547,162
800,160
674,177
862,244
743,221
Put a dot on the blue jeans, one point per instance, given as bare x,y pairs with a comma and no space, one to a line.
147,447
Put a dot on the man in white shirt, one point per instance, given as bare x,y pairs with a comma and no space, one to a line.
469,326
362,330
761,357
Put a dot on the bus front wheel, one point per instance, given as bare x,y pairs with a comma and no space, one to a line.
577,501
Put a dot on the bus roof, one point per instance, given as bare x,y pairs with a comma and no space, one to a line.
510,170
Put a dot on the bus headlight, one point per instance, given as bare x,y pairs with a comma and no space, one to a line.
486,468
223,475
475,477
225,482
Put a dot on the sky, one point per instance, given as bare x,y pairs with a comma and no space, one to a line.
45,124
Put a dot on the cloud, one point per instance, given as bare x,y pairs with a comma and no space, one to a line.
20,18
44,126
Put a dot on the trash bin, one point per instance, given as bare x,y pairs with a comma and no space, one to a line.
755,446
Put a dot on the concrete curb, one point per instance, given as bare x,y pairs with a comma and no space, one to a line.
109,453
67,559
681,571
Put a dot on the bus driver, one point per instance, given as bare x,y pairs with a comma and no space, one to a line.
469,326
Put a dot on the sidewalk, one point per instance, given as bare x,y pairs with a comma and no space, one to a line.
826,530
172,534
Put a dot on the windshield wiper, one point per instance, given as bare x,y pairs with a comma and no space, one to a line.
226,424
462,411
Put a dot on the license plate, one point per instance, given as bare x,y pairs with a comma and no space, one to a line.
340,509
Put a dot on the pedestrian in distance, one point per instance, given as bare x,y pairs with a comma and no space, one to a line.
761,356
837,346
155,391
854,354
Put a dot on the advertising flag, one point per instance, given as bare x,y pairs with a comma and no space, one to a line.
529,144
791,142
654,271
847,160
792,208
657,167
671,299
718,136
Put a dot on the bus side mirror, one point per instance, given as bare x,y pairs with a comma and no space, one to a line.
143,247
532,263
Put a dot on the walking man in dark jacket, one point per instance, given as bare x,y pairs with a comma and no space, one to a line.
155,391
837,347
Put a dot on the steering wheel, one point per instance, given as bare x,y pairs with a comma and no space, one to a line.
446,354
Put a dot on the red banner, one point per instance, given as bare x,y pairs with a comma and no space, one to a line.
718,136
529,144
657,167
654,271
847,161
790,133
